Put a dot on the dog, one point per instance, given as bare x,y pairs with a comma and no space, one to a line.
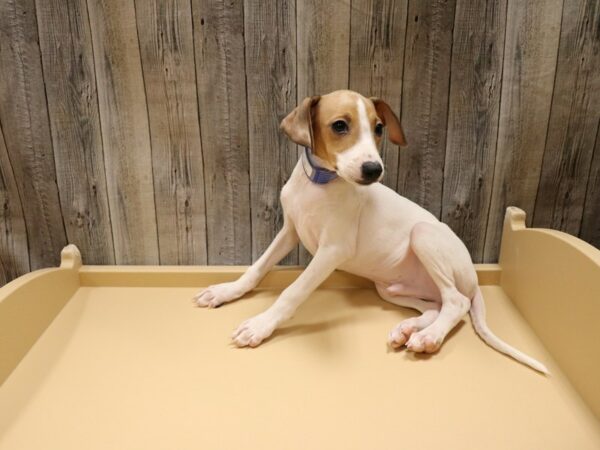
334,204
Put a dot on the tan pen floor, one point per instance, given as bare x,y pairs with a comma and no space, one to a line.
141,368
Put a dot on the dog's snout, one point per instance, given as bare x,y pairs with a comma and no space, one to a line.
371,171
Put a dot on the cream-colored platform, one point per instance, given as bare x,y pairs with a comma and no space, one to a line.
124,361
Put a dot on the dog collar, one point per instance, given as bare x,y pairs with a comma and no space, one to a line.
316,173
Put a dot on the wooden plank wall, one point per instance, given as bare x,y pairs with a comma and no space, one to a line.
146,132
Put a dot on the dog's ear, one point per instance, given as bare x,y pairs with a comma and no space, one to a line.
390,120
298,124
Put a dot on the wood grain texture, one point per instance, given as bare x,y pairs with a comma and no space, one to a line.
590,224
147,131
220,68
14,254
376,62
68,62
270,37
323,40
167,51
323,47
532,35
125,133
474,104
24,119
573,120
425,102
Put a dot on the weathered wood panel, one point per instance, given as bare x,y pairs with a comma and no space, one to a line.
590,225
124,121
167,51
14,254
476,72
573,120
376,62
270,37
323,40
68,62
24,119
532,34
220,68
425,102
323,47
147,131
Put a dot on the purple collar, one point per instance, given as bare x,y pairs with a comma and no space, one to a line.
314,172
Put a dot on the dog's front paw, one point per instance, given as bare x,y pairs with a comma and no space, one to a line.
255,330
424,341
218,294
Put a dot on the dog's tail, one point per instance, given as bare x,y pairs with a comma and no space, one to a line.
477,312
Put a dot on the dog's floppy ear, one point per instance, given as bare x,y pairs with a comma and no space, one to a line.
298,124
390,120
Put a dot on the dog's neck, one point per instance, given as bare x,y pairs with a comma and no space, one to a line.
314,168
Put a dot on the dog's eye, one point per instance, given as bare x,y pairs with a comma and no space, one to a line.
379,129
340,127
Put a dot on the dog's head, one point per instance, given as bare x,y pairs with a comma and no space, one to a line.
344,129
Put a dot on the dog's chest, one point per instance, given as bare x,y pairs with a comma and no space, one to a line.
315,208
307,209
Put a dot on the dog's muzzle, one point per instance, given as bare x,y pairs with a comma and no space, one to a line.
370,171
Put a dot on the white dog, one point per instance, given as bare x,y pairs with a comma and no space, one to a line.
335,206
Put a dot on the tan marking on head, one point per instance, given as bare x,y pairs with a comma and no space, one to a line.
339,105
390,120
363,154
310,124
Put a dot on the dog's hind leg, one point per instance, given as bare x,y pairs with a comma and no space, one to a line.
448,263
402,332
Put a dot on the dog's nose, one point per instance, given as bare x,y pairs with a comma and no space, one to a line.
371,171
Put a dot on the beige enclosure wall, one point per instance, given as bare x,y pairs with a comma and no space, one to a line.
146,131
